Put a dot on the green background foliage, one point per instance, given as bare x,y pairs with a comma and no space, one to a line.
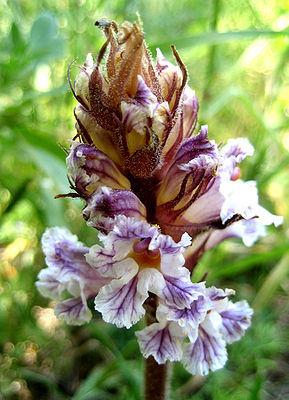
237,56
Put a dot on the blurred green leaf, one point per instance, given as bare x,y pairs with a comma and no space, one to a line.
44,43
18,41
217,38
272,282
19,194
266,178
255,260
128,373
257,388
42,141
91,386
44,380
50,165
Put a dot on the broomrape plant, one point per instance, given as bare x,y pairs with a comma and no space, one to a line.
160,195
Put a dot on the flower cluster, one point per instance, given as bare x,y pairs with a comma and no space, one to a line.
160,195
209,322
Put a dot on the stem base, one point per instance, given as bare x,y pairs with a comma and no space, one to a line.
156,380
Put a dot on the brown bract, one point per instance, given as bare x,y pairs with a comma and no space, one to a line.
127,87
127,58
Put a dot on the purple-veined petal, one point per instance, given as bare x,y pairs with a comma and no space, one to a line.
228,318
219,295
65,258
180,292
194,314
189,198
178,289
219,300
240,198
68,271
144,95
61,246
131,238
189,151
90,168
102,259
120,302
106,203
128,228
162,341
238,148
150,280
73,311
126,231
207,353
236,318
167,245
196,146
190,317
49,285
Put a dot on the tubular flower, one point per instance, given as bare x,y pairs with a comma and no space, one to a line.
161,196
139,260
208,323
68,271
105,204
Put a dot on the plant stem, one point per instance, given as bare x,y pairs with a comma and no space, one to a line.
156,380
156,375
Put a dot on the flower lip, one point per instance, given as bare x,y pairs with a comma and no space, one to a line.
144,257
142,245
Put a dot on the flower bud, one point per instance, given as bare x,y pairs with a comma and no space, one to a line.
135,113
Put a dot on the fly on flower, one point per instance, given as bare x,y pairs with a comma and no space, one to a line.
102,23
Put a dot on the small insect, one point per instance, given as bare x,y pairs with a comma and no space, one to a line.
102,23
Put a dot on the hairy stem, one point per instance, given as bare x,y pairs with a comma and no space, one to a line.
156,375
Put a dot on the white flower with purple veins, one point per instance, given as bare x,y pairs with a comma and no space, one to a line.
105,204
160,196
209,323
69,272
202,192
90,168
228,207
139,260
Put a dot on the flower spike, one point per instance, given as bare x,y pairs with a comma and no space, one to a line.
160,196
